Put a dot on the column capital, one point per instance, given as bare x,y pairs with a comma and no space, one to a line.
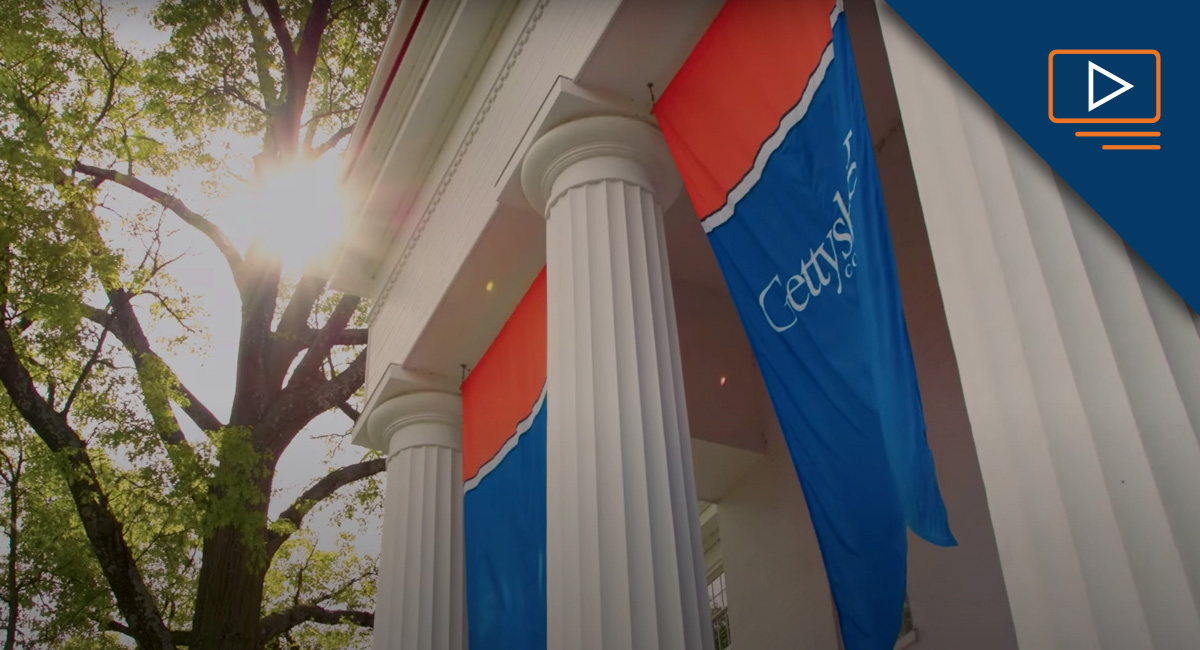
393,425
598,148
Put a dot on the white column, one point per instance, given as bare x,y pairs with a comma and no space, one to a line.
624,557
420,601
1082,428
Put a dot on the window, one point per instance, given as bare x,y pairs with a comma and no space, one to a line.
714,568
719,607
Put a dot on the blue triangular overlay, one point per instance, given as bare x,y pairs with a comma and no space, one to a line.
1002,50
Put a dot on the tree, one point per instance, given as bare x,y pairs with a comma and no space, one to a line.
180,551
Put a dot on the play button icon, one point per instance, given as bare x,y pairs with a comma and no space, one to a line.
1093,103
1105,86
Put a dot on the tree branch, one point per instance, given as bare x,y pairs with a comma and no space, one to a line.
170,202
350,411
87,367
233,91
279,623
298,405
104,531
333,141
310,365
128,330
351,336
337,592
288,344
279,25
322,489
255,387
320,116
299,64
293,334
262,59
306,54
295,316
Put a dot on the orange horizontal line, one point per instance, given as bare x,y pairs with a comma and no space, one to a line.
1131,146
1104,52
1117,134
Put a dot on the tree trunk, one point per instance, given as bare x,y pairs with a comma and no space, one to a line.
230,591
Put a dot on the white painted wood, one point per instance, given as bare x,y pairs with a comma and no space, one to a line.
1176,330
1072,453
469,148
420,604
1152,392
387,165
1154,608
542,41
624,554
1080,420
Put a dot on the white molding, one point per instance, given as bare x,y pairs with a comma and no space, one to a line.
431,208
396,423
396,380
565,101
418,72
422,105
406,15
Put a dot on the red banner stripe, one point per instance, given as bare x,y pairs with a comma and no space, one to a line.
743,75
502,389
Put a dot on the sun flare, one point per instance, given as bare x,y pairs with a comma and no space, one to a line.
294,212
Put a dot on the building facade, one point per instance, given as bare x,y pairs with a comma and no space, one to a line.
1060,376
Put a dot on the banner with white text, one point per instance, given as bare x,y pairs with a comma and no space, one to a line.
766,123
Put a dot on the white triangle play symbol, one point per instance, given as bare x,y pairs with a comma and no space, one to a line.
1092,70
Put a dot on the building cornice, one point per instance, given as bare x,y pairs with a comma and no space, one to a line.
410,108
401,34
460,153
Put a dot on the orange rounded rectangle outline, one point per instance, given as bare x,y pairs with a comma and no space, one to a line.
1125,120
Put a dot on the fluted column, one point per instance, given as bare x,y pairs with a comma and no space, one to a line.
624,557
420,598
1078,374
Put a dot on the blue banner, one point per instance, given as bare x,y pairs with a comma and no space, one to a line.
803,242
504,511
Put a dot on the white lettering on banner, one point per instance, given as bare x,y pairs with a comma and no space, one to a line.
822,264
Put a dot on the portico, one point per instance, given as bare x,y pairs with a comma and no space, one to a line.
503,137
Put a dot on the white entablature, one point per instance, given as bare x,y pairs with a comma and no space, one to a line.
439,215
